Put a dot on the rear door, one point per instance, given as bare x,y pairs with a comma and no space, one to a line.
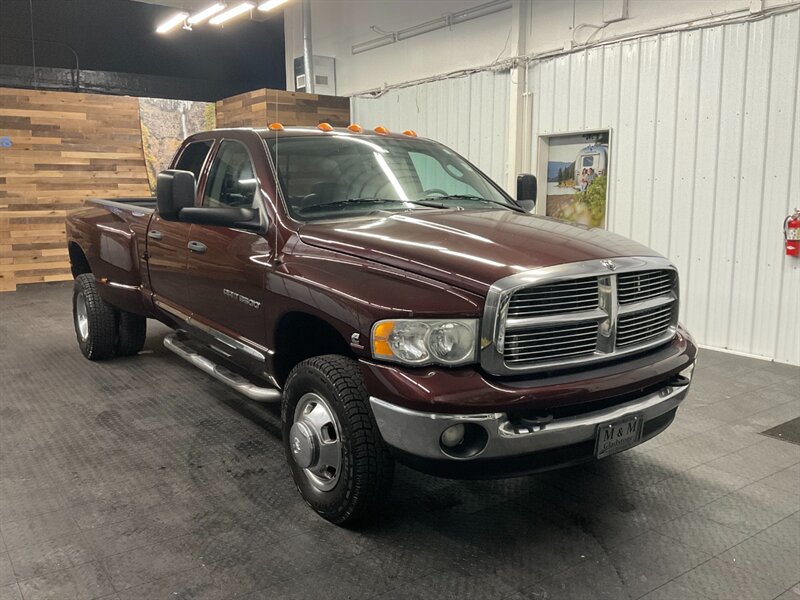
167,242
226,267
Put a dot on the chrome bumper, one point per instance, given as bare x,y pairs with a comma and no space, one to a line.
419,433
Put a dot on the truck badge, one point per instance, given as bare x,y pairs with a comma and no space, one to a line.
610,265
243,299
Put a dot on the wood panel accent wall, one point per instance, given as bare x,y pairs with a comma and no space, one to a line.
261,107
66,146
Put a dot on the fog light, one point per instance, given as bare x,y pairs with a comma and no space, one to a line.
453,436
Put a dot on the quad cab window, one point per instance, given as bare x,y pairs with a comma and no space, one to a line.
231,181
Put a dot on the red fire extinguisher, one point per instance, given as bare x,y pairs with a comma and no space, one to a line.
791,233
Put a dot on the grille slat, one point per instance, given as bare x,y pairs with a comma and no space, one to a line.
536,344
561,297
636,287
534,354
642,326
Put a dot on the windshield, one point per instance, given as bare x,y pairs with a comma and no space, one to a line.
339,176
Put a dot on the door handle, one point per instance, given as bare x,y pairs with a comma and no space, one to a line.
198,247
154,234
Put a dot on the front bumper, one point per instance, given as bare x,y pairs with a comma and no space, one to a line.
513,446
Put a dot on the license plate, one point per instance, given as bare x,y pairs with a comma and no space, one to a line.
618,436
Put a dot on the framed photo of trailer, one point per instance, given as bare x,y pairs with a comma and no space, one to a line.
573,171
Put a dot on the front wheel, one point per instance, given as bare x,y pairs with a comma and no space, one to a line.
338,459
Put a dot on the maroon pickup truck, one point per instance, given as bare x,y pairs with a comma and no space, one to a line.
395,301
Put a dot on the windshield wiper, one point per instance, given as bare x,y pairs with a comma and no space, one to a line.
480,199
337,203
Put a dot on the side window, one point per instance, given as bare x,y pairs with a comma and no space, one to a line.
193,157
231,181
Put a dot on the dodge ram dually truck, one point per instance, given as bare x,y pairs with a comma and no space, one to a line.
395,301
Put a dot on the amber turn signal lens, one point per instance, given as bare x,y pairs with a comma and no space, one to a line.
381,129
325,127
380,339
355,128
410,132
275,127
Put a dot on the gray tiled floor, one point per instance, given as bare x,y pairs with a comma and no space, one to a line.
142,478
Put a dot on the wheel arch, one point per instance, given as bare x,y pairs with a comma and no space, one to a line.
300,335
78,262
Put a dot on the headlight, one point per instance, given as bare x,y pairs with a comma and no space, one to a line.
425,341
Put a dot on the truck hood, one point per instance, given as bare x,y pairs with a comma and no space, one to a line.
471,248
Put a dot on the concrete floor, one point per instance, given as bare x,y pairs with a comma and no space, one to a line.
144,478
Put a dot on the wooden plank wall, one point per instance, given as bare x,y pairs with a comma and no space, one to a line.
66,146
261,107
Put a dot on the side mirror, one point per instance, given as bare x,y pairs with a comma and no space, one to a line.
175,190
526,191
235,218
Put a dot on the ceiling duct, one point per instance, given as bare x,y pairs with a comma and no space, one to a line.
442,22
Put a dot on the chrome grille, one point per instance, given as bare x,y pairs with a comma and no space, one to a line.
635,287
578,313
549,343
561,297
644,325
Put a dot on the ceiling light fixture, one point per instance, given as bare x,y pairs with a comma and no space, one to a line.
270,4
233,12
205,14
172,22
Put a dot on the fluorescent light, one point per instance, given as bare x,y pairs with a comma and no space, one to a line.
172,22
270,4
233,12
205,14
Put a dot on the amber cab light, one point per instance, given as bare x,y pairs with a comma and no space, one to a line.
325,127
410,132
355,128
381,129
275,127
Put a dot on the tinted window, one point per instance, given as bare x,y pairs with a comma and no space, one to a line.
193,157
231,181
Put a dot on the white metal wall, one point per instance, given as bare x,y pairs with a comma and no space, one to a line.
468,114
705,165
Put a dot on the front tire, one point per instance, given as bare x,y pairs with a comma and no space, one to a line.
94,319
338,459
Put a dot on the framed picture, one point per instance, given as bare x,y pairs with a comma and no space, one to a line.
575,167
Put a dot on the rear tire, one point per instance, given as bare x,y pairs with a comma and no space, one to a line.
94,319
131,333
326,401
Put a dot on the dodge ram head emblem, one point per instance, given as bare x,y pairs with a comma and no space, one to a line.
610,265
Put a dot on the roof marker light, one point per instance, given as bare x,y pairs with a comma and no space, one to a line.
172,22
381,129
325,127
410,132
198,18
231,13
275,127
355,128
270,4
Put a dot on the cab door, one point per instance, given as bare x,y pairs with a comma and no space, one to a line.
227,267
167,241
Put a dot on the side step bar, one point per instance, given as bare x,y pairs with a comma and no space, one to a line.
234,380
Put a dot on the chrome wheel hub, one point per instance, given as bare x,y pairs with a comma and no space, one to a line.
81,317
315,441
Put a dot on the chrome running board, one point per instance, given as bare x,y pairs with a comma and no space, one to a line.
220,373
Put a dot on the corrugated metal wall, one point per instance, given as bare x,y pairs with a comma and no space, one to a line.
705,153
468,114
